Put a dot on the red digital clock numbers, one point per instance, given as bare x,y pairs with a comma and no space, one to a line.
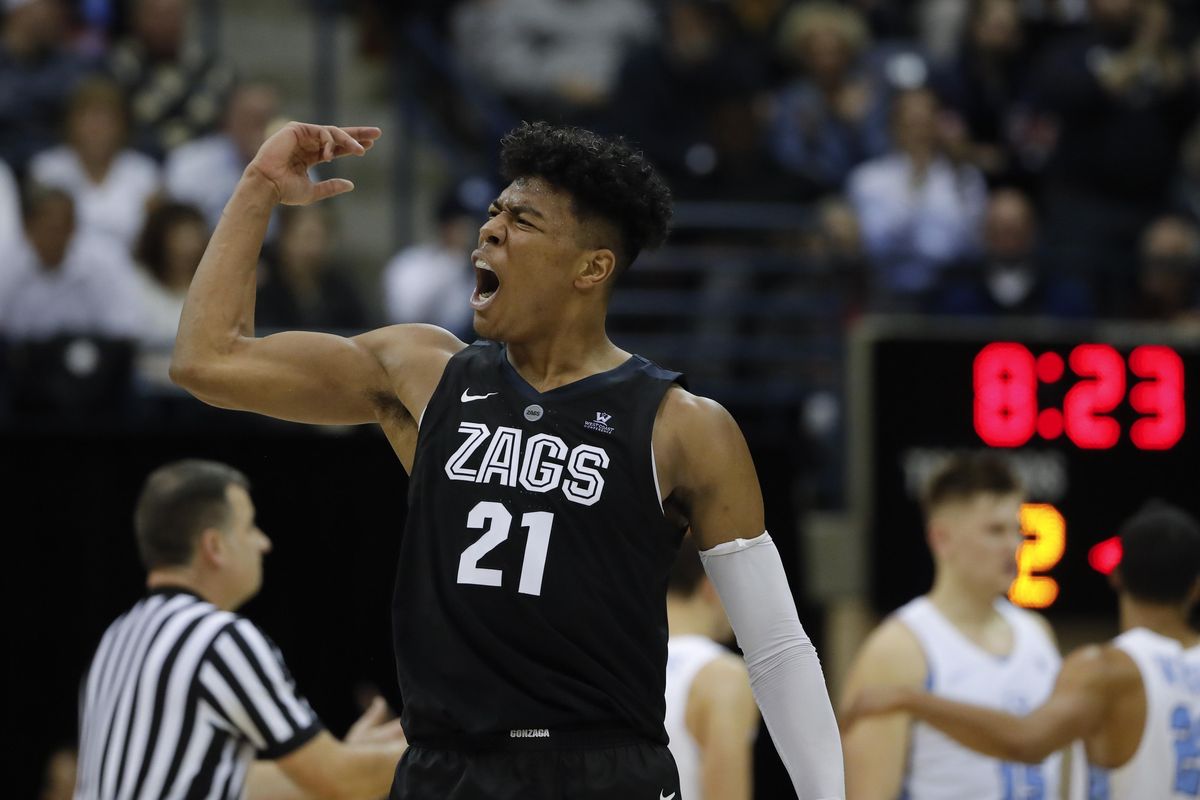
1007,376
1159,397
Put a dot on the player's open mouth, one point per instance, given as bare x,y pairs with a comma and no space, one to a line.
487,284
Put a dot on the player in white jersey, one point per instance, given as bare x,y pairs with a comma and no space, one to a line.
963,641
711,715
1134,702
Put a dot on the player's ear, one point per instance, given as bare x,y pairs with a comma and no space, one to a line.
935,536
596,269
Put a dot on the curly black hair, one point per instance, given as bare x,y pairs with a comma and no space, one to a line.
606,178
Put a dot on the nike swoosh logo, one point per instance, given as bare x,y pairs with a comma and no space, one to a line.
661,796
467,397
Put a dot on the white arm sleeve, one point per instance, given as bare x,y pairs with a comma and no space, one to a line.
785,672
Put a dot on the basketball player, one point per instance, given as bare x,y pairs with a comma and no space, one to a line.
1135,702
962,640
711,716
551,478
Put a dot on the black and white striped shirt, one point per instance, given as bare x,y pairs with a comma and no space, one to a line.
181,697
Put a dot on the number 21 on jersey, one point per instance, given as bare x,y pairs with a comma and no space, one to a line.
495,520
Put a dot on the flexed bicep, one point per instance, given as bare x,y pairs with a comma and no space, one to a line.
322,378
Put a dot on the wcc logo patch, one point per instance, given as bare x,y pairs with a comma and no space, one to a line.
600,423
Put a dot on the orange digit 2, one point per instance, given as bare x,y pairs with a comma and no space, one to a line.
1045,542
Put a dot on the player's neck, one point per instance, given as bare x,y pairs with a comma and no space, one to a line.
685,618
962,603
1165,620
567,356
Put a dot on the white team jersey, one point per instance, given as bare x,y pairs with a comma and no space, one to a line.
958,669
1166,765
686,656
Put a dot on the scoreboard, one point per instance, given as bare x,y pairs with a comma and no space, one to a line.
1096,419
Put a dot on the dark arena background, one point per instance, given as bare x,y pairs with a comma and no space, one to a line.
903,229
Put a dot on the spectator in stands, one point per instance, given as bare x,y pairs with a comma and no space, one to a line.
167,255
838,240
110,183
204,172
983,84
1125,99
1011,276
548,57
302,288
678,97
738,166
919,210
176,90
428,282
63,283
10,214
1168,283
833,115
835,247
37,75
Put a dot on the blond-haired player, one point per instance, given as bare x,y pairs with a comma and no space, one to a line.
963,640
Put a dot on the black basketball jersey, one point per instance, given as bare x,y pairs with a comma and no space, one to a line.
531,589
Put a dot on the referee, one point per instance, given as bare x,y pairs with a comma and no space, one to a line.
183,694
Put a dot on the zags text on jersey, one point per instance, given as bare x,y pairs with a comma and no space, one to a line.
539,463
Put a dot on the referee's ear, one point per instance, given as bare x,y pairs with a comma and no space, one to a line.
210,549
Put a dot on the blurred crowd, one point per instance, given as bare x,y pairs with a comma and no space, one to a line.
121,139
999,157
968,157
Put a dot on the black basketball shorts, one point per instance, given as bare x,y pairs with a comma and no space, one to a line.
584,768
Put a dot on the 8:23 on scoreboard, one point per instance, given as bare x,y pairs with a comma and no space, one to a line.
1097,420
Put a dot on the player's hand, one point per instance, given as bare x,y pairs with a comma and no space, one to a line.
874,701
377,725
286,157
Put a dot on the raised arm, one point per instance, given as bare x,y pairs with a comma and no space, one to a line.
710,478
298,376
1075,710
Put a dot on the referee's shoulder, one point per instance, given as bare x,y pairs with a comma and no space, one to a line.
247,637
225,625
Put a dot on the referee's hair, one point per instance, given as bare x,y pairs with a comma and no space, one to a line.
965,475
178,502
687,571
1160,559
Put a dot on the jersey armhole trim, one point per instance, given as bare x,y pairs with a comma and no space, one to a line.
654,471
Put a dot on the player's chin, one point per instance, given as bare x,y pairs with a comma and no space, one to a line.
484,328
